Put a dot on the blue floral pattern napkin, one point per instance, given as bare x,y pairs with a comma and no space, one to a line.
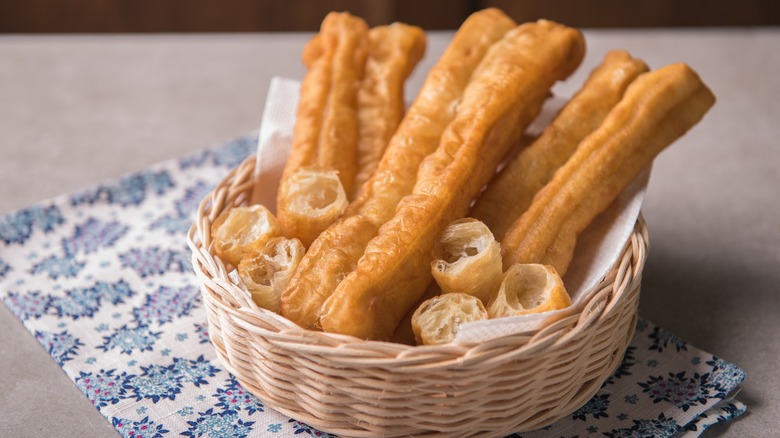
102,278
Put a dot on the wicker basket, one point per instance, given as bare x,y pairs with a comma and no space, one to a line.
353,387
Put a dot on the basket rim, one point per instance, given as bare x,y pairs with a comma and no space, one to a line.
233,190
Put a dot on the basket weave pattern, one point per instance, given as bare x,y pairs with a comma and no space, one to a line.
353,387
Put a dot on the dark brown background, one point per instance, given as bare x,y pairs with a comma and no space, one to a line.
36,16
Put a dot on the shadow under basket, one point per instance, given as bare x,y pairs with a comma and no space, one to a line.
352,387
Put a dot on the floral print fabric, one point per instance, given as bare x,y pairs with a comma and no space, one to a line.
102,278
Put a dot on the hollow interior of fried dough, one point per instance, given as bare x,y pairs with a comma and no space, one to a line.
262,273
245,225
461,241
527,287
271,266
316,193
439,319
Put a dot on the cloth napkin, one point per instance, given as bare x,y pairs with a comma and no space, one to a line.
102,278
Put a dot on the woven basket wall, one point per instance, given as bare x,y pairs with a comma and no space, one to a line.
352,387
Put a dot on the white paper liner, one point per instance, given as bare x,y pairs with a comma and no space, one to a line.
598,248
274,139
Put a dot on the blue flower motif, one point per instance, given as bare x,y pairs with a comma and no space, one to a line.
127,191
114,293
202,330
725,376
56,267
592,429
172,224
195,371
661,428
629,360
217,425
662,338
157,382
233,397
18,227
233,153
595,407
93,235
730,411
193,160
301,427
679,390
46,218
29,305
166,304
154,261
138,429
180,221
76,304
5,268
131,190
275,427
85,301
61,346
127,339
187,410
187,205
104,387
181,261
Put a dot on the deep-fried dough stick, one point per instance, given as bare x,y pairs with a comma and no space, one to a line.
394,52
335,253
510,192
326,127
657,108
504,95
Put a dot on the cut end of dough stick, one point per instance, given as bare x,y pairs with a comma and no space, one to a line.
527,289
312,200
468,260
437,320
266,270
237,230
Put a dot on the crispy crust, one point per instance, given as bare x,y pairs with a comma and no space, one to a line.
510,192
417,136
394,52
504,95
326,127
657,108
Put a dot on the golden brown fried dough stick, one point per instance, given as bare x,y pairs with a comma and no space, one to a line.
394,52
326,127
335,253
510,192
504,95
657,108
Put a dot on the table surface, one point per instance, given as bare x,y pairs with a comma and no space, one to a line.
75,110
